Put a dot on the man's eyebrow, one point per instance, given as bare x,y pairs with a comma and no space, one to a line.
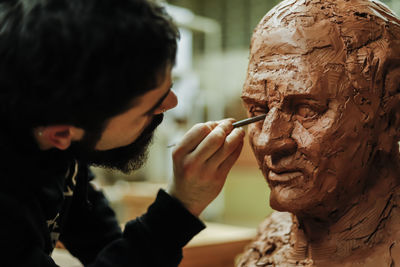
156,105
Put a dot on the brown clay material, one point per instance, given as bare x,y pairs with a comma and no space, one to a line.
327,73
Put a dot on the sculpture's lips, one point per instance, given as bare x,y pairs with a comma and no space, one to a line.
283,176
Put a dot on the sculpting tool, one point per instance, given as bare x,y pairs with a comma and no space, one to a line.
248,121
240,123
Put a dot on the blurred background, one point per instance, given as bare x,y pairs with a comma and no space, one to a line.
208,78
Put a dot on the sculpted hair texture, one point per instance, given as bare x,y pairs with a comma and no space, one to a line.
79,62
368,51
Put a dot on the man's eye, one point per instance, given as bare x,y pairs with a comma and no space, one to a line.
306,111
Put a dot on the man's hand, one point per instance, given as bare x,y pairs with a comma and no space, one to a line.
202,161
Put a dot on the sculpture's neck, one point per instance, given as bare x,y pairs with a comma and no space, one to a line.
365,223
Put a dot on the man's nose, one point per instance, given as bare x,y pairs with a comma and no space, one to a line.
274,138
169,103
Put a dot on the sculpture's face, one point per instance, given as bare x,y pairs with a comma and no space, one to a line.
313,147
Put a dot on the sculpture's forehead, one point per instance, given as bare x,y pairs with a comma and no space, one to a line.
308,46
302,25
294,39
294,60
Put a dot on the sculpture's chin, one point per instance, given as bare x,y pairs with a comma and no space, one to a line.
289,199
290,191
299,200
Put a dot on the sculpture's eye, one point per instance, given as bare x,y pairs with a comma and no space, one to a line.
258,110
306,111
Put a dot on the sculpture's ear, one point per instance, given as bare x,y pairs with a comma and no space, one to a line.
390,104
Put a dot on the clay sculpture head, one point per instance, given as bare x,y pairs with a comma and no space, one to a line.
327,74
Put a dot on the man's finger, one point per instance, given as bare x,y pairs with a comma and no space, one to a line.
193,137
231,143
226,166
213,141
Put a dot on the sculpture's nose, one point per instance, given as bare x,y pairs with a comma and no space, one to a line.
274,139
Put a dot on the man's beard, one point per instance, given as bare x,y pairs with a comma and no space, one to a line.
125,159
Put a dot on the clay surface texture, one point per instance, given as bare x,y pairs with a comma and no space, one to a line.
327,74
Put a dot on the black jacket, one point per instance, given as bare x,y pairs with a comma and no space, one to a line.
48,198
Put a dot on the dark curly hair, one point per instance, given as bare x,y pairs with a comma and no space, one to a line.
79,62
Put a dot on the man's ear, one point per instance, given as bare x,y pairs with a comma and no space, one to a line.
57,136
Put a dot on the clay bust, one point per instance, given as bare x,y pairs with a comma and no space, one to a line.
327,74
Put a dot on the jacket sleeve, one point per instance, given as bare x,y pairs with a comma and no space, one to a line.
154,239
